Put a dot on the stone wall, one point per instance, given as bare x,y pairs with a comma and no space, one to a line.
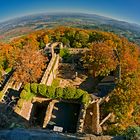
92,121
49,113
51,71
78,50
7,86
89,119
81,119
25,111
10,85
96,118
48,70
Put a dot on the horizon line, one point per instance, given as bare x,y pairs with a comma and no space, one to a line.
68,12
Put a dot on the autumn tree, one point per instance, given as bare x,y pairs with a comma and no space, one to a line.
65,41
30,39
128,54
5,55
100,59
124,104
124,99
46,39
29,65
70,35
43,40
81,37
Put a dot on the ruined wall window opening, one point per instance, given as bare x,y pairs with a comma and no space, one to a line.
38,113
65,115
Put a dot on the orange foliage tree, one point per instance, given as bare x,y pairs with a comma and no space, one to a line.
101,59
29,65
124,99
128,57
5,55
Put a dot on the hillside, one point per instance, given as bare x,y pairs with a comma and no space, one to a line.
24,25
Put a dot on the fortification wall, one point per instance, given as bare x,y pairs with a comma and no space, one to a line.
26,109
51,70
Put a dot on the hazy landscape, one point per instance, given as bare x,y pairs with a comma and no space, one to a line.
23,25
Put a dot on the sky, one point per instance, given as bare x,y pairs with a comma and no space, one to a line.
126,10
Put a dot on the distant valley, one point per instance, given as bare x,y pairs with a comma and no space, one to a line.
24,25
